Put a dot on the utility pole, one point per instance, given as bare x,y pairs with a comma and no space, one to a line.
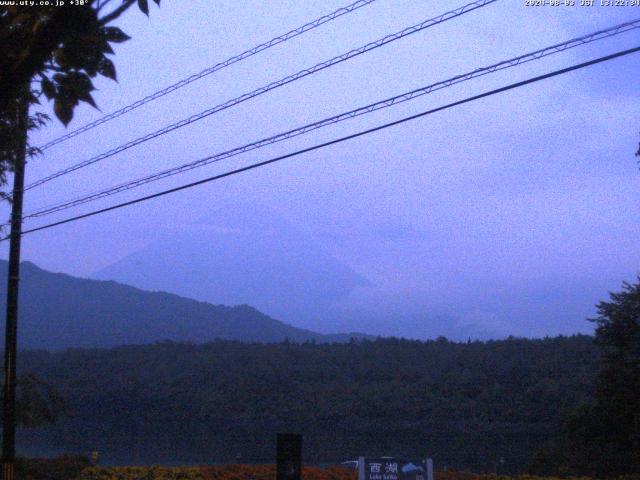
11,331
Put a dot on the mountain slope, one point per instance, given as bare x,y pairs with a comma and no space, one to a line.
243,254
59,311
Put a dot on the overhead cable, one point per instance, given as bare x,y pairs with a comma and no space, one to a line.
208,71
335,141
386,103
271,86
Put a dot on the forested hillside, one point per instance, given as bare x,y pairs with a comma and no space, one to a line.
466,404
60,311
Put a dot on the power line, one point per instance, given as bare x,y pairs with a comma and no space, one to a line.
536,55
338,140
284,81
208,71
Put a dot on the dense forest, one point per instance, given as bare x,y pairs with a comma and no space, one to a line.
477,405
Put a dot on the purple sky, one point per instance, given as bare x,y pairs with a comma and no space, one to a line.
516,213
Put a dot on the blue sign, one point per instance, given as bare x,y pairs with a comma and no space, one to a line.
391,469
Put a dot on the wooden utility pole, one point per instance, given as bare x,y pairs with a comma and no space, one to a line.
11,329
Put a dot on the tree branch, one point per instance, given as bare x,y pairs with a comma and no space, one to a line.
50,35
117,12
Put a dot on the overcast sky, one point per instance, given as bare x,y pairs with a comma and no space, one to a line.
517,212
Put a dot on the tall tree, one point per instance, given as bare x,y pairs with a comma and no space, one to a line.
618,385
53,51
602,438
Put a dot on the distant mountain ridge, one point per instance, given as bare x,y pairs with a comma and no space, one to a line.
60,311
243,254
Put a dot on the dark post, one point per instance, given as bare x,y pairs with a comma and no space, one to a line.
635,442
11,331
289,456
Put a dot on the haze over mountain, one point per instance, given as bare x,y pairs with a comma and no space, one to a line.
60,311
484,218
246,255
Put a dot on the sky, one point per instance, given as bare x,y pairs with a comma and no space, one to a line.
515,214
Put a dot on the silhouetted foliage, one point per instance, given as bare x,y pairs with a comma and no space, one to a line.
65,467
466,404
12,137
55,52
37,402
61,49
603,437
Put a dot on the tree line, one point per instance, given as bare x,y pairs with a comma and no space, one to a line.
477,406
